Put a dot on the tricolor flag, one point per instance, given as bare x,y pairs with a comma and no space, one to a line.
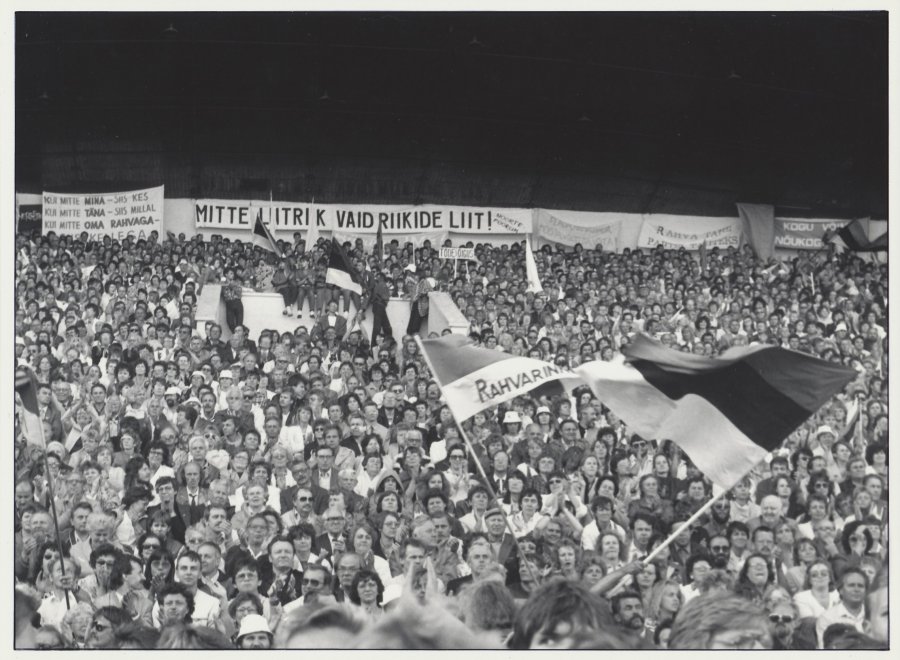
261,236
531,271
727,413
27,405
340,271
854,237
474,379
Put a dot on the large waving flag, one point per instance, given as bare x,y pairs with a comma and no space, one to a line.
341,271
531,271
854,237
474,379
261,236
727,413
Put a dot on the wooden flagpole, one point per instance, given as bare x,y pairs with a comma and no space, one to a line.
481,472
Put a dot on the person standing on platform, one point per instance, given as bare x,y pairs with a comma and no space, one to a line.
419,304
231,294
379,295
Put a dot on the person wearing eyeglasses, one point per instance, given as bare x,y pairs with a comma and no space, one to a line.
102,560
314,584
332,541
821,595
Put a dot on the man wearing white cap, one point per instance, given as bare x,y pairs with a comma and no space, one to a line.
254,633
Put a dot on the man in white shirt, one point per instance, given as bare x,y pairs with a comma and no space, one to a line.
851,610
207,609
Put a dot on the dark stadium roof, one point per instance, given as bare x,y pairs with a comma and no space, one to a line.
637,112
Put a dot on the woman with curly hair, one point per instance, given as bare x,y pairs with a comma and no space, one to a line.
567,560
367,592
755,577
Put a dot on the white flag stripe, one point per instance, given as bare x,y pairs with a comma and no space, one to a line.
31,427
262,242
534,281
501,381
342,279
716,446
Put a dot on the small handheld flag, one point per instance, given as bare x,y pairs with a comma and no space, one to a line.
261,236
531,271
341,271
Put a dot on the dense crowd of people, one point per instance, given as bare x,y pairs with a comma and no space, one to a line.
209,489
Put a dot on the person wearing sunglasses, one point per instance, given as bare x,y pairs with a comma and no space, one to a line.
314,586
102,631
783,619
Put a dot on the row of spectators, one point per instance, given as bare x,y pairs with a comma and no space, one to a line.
311,489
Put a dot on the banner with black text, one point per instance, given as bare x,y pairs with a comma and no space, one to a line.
362,218
118,215
675,231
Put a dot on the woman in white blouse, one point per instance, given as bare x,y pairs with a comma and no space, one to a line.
820,596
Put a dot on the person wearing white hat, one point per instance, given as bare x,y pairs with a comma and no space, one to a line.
512,417
254,633
226,380
512,428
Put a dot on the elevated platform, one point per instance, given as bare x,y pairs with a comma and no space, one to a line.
263,311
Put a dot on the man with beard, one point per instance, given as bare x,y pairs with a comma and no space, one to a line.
719,549
628,612
720,516
783,620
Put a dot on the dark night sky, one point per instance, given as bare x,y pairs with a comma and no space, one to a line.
664,113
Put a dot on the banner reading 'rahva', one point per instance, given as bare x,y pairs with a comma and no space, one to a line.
673,232
118,215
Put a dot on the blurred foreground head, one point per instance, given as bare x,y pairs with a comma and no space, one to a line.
714,621
557,615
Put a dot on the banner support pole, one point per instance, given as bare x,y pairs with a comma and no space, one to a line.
480,468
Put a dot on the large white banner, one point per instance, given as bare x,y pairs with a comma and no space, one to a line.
574,227
674,231
118,215
361,218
